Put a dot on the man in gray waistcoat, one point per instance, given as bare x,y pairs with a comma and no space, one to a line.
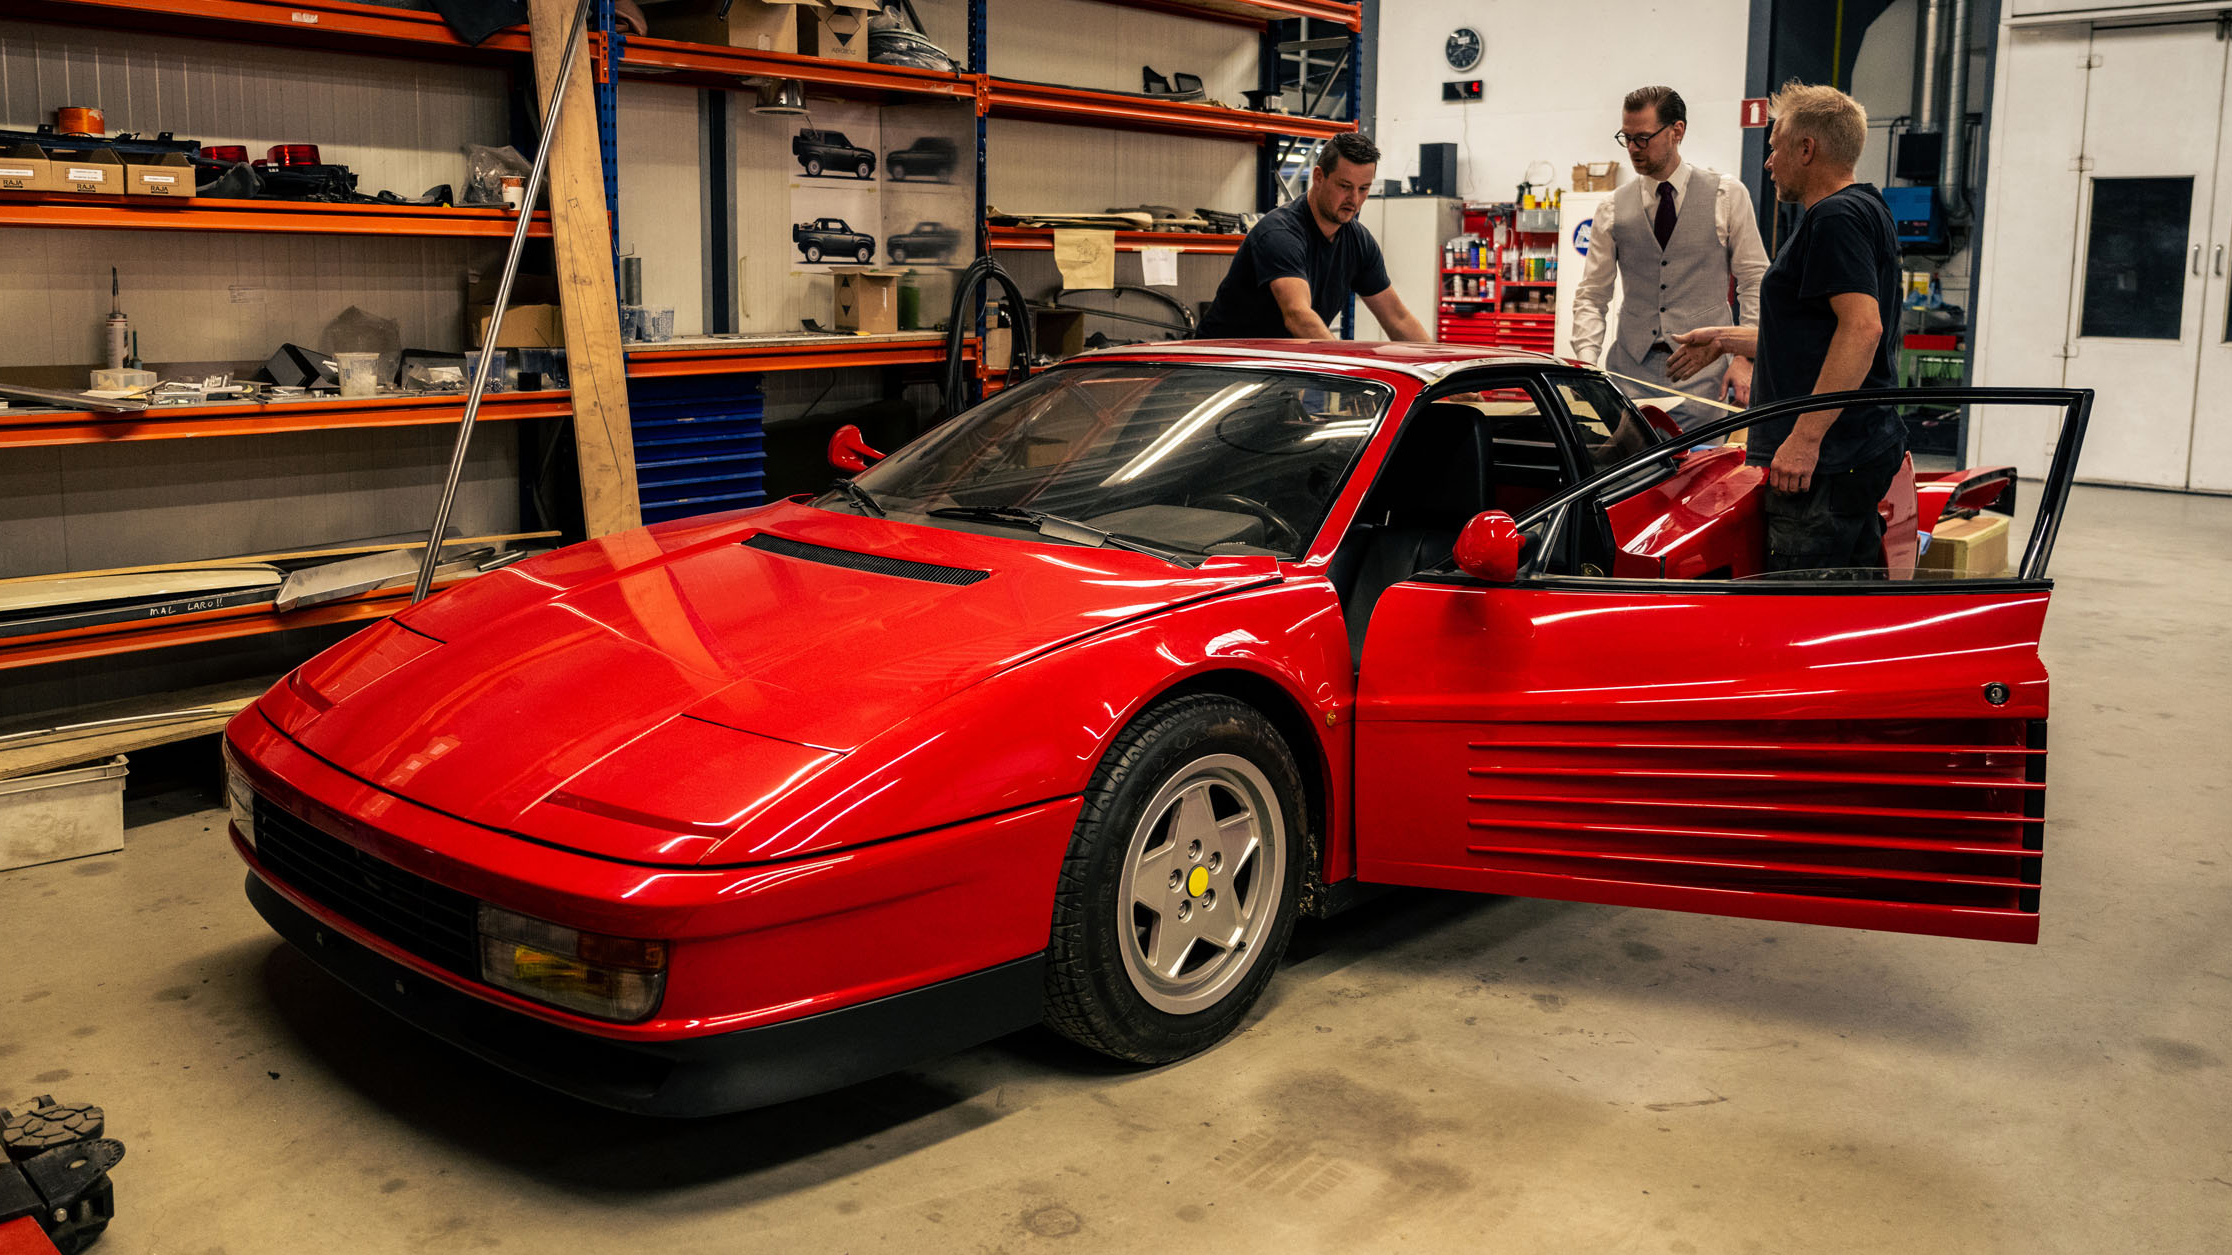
1674,238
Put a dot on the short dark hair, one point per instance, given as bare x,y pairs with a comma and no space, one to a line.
1347,146
1665,100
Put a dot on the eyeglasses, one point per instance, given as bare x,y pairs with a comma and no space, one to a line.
1625,140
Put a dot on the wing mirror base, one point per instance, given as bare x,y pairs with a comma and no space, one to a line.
849,451
1489,547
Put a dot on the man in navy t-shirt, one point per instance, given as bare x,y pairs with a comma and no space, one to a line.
1293,274
1828,313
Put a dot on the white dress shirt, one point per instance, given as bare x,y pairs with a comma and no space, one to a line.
1733,221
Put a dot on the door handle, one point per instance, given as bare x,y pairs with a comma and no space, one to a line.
2216,262
2197,259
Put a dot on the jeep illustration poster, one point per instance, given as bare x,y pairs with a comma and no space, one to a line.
836,199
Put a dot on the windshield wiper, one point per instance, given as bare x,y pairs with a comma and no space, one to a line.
861,496
1056,527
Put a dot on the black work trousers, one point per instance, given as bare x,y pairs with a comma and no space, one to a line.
1832,530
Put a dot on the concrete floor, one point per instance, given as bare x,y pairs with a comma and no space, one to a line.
1433,1073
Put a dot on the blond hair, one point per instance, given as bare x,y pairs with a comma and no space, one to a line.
1834,121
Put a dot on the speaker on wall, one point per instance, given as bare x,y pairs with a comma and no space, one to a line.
1437,169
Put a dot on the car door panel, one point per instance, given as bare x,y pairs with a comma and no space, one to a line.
1866,754
1762,755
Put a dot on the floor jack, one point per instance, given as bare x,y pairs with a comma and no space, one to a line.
55,1194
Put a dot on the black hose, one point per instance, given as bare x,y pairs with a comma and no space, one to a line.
966,302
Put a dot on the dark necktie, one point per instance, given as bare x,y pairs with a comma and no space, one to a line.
1663,225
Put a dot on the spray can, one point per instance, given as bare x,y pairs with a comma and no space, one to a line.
118,330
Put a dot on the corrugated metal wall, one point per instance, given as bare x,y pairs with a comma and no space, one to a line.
401,125
202,297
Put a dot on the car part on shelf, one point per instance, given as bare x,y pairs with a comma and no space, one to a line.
1179,86
1183,329
67,400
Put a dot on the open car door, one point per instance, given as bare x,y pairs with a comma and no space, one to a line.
1868,753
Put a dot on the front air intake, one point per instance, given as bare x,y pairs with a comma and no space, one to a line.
873,563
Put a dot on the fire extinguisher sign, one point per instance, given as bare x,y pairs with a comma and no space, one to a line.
1755,113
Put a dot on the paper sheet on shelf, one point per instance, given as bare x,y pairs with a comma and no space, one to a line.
1160,266
1087,259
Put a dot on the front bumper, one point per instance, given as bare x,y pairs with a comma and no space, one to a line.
693,1076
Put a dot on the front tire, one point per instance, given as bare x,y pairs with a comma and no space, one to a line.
1180,887
865,254
866,169
897,170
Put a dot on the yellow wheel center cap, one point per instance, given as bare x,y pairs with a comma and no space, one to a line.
1197,882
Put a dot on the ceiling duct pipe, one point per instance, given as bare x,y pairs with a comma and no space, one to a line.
1953,159
1929,20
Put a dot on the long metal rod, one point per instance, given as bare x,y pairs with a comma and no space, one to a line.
479,386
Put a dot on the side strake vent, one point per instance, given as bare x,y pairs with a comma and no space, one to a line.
1934,821
874,563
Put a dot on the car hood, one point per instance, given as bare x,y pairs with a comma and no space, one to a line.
811,631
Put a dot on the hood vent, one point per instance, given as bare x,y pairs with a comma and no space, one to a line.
874,563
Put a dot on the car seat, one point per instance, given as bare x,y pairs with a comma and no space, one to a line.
1435,481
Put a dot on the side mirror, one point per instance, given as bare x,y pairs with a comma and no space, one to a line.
849,452
1488,548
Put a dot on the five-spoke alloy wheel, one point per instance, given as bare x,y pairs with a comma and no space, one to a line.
1179,890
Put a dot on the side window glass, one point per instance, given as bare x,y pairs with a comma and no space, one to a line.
1609,426
1872,511
1525,465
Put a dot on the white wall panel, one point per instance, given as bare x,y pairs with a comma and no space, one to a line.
1035,167
92,507
661,187
1554,76
1078,43
400,125
200,297
2030,236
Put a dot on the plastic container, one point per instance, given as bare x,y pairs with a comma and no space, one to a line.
360,373
62,814
910,303
496,378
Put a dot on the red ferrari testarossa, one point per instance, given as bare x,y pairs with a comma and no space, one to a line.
1068,708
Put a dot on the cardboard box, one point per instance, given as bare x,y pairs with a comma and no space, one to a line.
87,171
1058,333
168,175
525,327
25,168
761,25
1055,333
867,299
1596,176
838,32
1973,548
534,320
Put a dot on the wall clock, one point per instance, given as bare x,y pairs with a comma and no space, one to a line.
1463,49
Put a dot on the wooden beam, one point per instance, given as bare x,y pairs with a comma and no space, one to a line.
581,237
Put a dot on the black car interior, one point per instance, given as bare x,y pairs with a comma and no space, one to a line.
1436,479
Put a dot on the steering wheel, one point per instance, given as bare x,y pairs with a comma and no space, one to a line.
1279,534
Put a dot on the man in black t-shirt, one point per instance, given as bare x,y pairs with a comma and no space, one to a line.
1293,274
1828,312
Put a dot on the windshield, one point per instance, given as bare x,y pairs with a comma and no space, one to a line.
1196,458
